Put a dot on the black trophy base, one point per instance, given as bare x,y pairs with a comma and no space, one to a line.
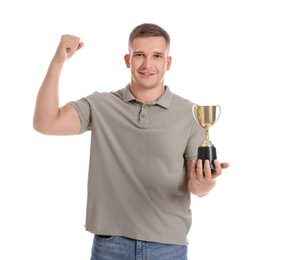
208,153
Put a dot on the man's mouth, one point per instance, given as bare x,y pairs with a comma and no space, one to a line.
146,73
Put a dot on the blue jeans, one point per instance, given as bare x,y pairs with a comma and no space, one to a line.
122,248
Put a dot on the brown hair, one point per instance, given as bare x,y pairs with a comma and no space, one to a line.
149,30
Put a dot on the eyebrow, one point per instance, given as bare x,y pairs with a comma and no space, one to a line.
154,53
159,53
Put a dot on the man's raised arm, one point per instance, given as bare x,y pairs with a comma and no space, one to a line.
49,118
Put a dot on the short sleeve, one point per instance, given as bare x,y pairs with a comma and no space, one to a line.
83,109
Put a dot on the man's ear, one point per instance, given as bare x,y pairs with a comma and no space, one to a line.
127,60
169,63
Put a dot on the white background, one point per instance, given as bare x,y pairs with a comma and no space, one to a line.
224,52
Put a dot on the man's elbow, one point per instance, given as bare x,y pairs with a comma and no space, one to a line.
42,127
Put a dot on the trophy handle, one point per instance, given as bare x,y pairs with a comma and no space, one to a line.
219,114
193,107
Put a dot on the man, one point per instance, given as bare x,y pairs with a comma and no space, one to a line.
144,144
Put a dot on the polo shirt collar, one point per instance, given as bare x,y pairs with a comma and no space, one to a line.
164,101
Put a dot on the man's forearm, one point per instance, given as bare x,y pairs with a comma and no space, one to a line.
47,102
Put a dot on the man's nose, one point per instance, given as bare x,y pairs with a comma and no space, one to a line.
148,62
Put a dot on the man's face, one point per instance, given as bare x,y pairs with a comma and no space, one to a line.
148,60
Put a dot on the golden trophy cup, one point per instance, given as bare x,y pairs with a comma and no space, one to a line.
206,116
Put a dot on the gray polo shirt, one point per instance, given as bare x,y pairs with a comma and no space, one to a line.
137,184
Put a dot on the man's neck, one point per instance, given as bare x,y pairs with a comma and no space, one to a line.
147,95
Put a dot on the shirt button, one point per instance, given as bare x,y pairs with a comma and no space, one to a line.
142,115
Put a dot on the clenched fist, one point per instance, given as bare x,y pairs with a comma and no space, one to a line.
68,45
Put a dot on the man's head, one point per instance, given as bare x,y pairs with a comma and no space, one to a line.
148,57
148,30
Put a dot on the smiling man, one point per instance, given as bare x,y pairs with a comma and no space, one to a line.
144,144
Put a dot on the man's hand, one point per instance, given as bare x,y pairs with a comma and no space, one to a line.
201,179
68,45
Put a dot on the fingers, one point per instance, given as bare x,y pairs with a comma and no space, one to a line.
69,44
218,169
202,171
74,49
224,165
80,45
207,170
199,170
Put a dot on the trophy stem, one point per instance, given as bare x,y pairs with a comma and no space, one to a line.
206,142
